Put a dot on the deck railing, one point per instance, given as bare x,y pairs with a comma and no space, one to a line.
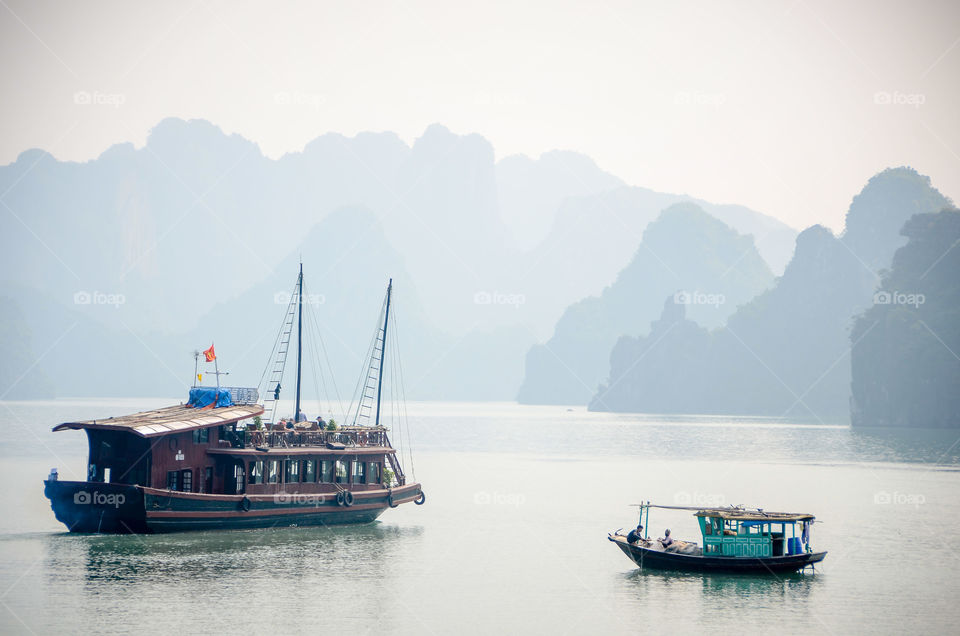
291,438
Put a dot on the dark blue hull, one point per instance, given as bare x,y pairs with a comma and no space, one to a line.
121,509
648,558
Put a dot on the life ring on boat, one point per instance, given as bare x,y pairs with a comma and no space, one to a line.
347,498
245,504
390,501
422,499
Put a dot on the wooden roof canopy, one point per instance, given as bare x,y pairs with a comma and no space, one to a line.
738,513
753,515
171,419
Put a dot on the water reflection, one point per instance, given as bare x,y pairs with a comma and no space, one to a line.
292,553
727,591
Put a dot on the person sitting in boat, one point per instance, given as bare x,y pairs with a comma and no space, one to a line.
301,417
320,423
666,541
635,535
289,425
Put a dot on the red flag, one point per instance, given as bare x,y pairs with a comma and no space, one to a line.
209,354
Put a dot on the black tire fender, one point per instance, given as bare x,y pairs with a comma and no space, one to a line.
422,499
245,504
390,501
347,498
341,498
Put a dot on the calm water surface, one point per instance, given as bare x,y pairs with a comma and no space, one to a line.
513,535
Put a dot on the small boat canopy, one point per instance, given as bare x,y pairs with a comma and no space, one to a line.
738,513
172,419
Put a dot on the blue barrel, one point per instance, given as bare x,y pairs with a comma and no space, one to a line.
794,546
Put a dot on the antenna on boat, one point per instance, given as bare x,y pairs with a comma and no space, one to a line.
196,366
383,349
296,407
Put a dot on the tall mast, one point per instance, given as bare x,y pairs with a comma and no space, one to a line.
383,351
296,408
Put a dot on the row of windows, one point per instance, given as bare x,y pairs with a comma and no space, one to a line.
311,471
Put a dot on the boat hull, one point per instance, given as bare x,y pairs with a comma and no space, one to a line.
656,559
121,509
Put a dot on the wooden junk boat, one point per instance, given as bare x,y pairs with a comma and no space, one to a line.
212,464
735,540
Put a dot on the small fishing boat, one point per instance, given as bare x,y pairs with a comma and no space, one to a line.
221,460
735,540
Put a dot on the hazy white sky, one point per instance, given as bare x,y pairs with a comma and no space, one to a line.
786,107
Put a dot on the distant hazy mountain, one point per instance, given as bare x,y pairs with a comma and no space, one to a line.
149,241
21,374
905,369
344,288
530,191
685,252
787,351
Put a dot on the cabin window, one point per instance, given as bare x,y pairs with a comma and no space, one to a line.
201,436
238,478
341,471
326,471
359,472
373,476
106,475
708,526
309,471
173,480
292,471
273,471
256,472
186,480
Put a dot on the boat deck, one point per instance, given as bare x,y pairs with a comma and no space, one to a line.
359,437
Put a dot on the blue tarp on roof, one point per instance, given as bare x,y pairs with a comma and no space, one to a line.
202,396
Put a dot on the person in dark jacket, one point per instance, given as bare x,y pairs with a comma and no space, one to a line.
635,535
